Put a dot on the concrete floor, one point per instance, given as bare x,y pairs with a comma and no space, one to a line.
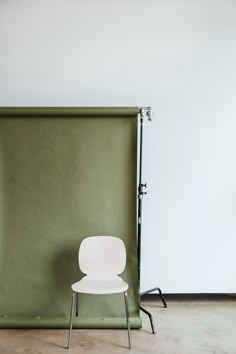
185,327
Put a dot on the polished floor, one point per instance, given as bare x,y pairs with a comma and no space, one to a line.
187,326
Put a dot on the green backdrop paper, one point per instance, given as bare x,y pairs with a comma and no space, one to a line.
65,174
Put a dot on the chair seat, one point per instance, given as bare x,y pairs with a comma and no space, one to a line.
97,285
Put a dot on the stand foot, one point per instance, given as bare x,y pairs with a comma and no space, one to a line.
150,318
148,313
154,289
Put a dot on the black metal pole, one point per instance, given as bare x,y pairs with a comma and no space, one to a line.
141,186
140,198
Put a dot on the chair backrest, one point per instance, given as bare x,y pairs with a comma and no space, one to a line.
102,255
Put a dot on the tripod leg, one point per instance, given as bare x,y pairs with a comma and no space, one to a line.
150,318
148,313
160,292
162,297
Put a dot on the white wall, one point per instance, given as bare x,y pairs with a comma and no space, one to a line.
177,56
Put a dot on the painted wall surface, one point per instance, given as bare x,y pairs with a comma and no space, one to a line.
177,56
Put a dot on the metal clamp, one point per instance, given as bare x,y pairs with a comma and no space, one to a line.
141,190
146,112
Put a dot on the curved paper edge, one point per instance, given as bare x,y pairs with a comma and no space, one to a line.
59,322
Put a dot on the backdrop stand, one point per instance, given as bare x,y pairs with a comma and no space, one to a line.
144,112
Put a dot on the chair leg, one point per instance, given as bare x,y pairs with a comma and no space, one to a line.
71,318
127,316
77,305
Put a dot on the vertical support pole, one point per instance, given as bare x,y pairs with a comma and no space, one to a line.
140,198
144,112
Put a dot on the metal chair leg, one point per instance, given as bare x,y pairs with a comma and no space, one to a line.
77,305
127,316
71,318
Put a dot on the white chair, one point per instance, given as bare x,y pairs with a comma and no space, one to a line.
101,258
